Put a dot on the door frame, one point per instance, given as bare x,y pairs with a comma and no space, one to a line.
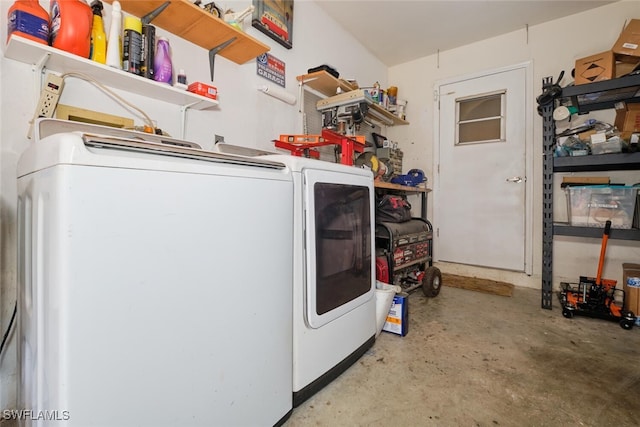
529,172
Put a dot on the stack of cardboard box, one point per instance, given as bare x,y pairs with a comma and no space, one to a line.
622,59
628,123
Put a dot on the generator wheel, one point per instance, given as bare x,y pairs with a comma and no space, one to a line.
567,313
431,282
626,324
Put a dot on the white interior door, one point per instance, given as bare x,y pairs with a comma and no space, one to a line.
481,180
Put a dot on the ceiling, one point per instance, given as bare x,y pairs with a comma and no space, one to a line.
398,31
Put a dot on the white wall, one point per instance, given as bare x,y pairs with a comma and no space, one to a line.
552,47
245,116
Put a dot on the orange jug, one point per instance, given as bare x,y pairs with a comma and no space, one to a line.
26,18
70,25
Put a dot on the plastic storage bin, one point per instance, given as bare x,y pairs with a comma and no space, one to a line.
594,205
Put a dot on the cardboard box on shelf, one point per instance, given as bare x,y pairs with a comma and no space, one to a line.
203,89
586,135
598,137
628,118
624,68
627,47
595,68
585,180
631,286
631,138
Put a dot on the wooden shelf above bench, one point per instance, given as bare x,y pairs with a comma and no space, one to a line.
194,24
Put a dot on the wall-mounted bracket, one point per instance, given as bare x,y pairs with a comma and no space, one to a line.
183,117
146,19
39,71
215,50
39,66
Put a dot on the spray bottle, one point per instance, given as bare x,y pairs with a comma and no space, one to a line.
71,26
132,45
147,62
98,36
162,64
26,18
114,46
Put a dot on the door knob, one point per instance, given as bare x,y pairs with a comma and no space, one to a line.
516,179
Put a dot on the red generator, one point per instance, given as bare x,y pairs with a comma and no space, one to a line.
404,256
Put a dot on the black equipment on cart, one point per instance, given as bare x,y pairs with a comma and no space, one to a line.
404,256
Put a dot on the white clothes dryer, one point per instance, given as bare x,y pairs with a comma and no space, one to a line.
333,270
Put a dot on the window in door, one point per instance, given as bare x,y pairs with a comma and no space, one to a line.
481,118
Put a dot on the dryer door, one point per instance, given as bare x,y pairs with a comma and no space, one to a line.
340,274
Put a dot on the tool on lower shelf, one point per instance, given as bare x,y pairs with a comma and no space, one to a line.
596,297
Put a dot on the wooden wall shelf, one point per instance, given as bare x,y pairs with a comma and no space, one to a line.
405,188
421,191
324,83
190,22
389,115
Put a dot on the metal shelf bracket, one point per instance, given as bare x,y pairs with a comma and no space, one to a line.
146,19
214,51
183,117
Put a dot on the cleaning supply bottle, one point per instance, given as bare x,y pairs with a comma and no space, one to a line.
148,51
132,45
71,26
114,47
162,65
26,18
98,36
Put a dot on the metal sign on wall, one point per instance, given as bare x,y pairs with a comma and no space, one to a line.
275,19
271,68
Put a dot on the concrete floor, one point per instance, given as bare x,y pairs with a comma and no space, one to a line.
474,359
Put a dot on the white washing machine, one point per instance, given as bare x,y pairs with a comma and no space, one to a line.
154,282
333,270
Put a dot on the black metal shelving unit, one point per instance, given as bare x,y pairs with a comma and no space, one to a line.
588,97
603,162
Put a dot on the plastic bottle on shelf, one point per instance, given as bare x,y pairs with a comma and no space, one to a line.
181,80
98,36
375,92
114,47
26,18
162,65
132,45
70,26
148,51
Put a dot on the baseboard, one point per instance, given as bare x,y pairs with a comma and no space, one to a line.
300,396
